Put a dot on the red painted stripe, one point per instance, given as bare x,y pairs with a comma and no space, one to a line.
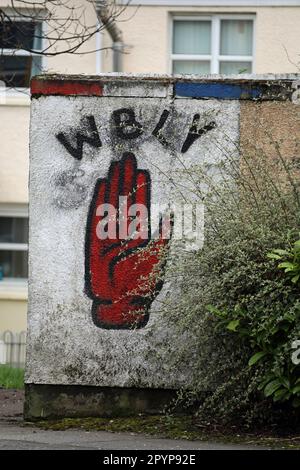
65,88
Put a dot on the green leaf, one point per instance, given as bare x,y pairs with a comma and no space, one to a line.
281,252
295,279
232,326
265,381
216,311
271,387
296,390
285,381
281,394
287,265
256,357
273,256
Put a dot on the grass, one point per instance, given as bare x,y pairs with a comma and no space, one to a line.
11,377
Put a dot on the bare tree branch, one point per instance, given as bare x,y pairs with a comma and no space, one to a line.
30,29
65,22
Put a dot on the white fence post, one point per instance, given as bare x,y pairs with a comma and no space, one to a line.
2,352
13,348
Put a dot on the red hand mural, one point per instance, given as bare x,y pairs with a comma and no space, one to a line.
123,276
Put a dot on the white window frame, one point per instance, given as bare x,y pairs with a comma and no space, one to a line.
14,211
17,91
215,57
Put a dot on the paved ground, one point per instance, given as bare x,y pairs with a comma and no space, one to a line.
14,436
17,436
11,403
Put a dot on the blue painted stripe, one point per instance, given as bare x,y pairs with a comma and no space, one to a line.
225,91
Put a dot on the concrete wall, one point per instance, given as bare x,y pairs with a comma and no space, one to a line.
81,330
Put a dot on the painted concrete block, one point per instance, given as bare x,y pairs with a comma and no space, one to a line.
92,141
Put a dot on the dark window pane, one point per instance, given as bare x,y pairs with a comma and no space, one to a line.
16,71
14,264
20,35
13,230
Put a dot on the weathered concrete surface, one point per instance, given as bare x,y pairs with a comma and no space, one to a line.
58,401
65,348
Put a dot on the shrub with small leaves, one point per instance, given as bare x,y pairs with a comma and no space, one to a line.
239,302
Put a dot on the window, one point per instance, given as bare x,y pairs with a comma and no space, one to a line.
17,64
216,44
13,247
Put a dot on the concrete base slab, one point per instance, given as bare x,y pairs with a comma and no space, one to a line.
66,401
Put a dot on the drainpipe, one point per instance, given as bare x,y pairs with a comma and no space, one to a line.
104,15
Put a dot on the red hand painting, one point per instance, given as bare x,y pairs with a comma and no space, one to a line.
123,276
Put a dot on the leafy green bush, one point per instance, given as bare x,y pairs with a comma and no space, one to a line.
248,215
271,328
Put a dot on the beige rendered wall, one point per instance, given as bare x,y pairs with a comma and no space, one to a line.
147,35
85,59
14,115
13,315
14,156
14,153
13,189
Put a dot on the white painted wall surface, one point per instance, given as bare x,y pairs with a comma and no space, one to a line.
64,346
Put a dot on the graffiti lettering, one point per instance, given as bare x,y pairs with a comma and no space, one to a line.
195,132
126,125
92,139
157,131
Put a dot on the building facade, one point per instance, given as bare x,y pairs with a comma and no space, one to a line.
159,36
